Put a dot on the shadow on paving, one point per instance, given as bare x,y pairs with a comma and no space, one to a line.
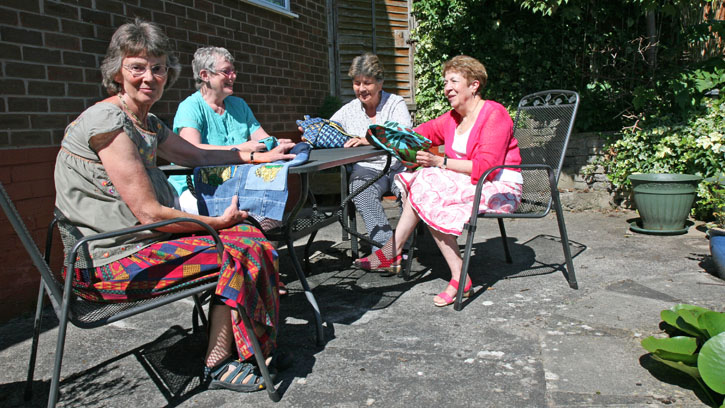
176,378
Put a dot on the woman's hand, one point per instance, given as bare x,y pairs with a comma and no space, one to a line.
428,159
251,146
232,216
356,141
278,153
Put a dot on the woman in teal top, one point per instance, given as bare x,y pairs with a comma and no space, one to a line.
212,117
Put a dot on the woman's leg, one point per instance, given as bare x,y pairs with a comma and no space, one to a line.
369,206
220,335
394,246
448,246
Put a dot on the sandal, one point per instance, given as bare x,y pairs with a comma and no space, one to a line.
447,300
379,262
280,360
233,375
282,289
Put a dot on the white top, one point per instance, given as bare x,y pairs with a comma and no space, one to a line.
356,122
459,147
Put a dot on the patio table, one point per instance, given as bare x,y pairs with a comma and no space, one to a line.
297,224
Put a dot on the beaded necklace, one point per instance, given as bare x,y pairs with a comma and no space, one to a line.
135,118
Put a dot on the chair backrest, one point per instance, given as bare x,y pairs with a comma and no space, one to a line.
543,124
542,127
34,253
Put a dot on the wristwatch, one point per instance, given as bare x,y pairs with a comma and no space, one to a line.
445,162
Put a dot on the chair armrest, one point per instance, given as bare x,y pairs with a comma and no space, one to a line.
70,260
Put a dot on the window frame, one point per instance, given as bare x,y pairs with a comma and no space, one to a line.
269,5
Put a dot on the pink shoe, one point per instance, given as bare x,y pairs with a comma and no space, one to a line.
447,300
379,262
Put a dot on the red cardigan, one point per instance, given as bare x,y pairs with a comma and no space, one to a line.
491,142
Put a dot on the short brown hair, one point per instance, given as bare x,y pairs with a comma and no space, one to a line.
133,39
368,65
469,67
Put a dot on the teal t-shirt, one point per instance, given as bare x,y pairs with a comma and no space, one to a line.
234,126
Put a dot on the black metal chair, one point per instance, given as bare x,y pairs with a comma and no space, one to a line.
542,127
87,314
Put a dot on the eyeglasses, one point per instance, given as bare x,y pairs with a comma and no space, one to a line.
138,70
226,72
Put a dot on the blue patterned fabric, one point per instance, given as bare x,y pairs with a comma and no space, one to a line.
323,133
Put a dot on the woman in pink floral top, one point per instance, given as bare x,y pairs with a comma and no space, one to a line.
477,134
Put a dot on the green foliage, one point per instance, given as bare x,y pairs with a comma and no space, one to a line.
697,349
695,146
597,47
330,105
712,201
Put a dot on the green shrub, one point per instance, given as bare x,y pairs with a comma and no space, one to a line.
696,146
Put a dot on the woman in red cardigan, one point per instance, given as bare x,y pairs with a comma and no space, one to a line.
477,134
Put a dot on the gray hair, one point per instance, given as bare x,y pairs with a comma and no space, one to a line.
134,39
205,59
368,65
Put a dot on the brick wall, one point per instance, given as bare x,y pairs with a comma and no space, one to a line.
50,51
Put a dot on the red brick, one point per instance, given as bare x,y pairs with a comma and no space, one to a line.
86,90
30,138
76,28
63,73
65,42
111,6
80,59
95,17
21,5
94,46
21,156
49,121
68,105
9,17
22,70
21,104
60,10
15,121
38,21
21,36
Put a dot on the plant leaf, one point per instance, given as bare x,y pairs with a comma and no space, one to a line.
679,365
678,344
712,322
675,320
711,363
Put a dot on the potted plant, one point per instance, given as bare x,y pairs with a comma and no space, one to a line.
663,201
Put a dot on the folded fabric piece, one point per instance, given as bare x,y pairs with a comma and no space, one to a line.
273,176
400,141
262,189
323,133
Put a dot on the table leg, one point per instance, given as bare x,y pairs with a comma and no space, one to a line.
308,292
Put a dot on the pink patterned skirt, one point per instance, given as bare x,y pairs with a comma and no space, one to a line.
443,198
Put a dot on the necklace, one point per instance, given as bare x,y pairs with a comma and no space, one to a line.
135,118
471,116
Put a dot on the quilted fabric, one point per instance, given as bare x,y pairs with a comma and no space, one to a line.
323,133
400,141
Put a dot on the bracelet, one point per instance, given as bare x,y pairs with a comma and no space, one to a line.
445,162
251,157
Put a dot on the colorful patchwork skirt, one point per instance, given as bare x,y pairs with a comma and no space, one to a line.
248,276
443,198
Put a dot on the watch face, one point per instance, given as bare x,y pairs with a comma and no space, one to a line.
234,149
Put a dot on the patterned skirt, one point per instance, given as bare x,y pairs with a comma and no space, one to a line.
248,276
443,198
